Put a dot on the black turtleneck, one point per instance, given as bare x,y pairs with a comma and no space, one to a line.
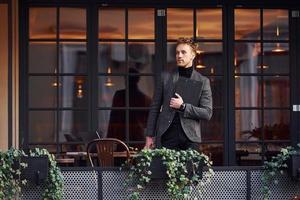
185,72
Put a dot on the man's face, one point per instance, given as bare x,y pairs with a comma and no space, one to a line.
184,55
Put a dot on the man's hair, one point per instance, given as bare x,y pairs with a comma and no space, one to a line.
188,41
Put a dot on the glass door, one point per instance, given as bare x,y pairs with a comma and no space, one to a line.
262,83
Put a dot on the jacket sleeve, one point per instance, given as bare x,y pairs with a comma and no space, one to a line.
204,110
155,108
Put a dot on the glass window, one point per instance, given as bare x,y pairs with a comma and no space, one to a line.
74,123
141,56
111,23
42,91
276,58
249,154
73,92
141,89
247,27
209,24
112,91
42,23
72,57
111,123
247,91
179,23
112,57
210,58
247,57
72,23
42,57
276,91
247,123
276,124
275,24
42,126
141,23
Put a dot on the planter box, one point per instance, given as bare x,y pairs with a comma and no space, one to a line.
36,170
294,167
158,169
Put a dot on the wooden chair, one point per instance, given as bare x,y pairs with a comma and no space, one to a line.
105,149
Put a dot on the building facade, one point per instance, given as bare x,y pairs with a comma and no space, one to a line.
75,69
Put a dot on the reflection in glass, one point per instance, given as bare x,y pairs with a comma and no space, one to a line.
73,124
137,126
247,57
216,84
210,58
276,57
106,93
51,148
110,124
42,91
179,26
141,89
276,91
42,126
72,57
141,23
42,23
72,23
73,91
213,129
111,23
247,27
214,151
111,56
275,24
209,24
141,56
247,91
276,124
247,122
42,57
171,56
272,149
248,154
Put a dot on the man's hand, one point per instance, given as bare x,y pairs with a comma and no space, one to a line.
149,143
176,101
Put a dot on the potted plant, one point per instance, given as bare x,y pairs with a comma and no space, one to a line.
276,166
181,169
15,166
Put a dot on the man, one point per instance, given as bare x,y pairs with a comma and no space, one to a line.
175,115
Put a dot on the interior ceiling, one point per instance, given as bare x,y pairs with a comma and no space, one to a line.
73,23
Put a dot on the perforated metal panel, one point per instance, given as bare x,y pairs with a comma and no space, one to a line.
80,185
285,189
227,185
32,192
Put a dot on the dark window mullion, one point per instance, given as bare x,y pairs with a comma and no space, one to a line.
126,79
58,150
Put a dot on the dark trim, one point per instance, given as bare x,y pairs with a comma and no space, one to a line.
170,3
9,75
230,90
248,183
92,62
5,2
23,20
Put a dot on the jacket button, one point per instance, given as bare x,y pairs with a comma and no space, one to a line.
169,121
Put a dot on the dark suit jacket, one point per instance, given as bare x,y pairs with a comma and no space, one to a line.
161,115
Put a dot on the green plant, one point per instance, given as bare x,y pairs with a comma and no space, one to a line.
275,167
10,179
180,181
54,181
